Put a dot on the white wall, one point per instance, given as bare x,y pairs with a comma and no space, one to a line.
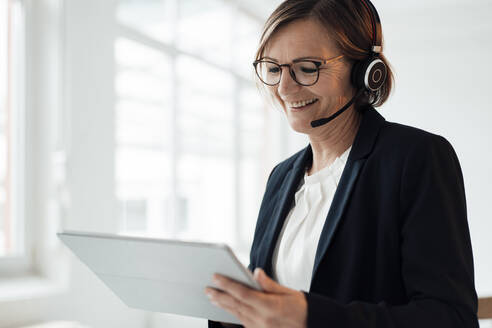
442,61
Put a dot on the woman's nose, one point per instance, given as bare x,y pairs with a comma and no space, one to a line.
287,84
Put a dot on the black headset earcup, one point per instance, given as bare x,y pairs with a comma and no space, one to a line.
369,74
375,75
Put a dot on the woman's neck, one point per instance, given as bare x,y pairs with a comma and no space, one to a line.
334,140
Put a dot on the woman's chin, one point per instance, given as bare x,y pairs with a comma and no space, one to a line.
300,126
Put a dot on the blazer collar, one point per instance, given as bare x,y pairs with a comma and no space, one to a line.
367,134
363,143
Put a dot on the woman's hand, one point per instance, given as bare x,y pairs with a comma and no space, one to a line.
276,306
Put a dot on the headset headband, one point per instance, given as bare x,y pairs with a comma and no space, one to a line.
373,13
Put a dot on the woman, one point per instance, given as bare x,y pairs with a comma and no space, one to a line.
367,226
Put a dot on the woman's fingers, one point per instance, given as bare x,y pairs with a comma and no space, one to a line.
241,292
232,305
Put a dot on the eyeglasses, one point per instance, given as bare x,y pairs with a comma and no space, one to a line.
305,72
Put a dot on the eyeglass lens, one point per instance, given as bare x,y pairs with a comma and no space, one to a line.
305,72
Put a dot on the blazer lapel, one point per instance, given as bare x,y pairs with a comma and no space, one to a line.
363,144
337,209
285,203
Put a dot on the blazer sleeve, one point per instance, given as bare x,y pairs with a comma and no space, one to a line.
436,254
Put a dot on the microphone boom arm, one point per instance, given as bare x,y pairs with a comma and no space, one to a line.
323,121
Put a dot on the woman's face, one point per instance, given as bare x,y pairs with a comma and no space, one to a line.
307,38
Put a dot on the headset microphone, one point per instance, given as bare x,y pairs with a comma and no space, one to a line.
367,75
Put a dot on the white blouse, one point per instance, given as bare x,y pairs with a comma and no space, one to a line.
293,258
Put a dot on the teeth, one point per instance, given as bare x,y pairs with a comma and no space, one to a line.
301,103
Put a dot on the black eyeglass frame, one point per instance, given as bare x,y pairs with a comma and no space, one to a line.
317,63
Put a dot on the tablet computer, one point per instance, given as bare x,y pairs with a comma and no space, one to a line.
159,275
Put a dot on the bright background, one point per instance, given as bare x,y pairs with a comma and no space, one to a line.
141,117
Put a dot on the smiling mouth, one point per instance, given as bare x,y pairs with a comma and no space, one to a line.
300,105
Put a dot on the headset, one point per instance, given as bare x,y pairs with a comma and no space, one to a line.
371,73
368,74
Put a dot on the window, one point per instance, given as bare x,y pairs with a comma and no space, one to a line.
190,124
143,135
11,146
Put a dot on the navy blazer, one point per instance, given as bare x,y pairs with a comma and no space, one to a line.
395,248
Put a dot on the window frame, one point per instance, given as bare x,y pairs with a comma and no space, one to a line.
14,265
38,100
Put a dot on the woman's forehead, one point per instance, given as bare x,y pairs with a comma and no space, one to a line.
300,38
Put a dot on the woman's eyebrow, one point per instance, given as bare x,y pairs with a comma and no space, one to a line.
269,58
309,57
294,60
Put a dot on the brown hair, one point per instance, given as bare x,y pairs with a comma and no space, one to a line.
349,24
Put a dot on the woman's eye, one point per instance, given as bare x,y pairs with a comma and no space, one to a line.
273,70
308,70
